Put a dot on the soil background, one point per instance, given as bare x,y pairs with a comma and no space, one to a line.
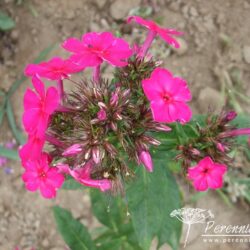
216,40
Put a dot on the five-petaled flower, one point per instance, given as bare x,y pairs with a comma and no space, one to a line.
38,107
54,69
168,96
94,48
39,175
207,174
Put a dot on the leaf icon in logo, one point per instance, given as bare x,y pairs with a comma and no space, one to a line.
191,216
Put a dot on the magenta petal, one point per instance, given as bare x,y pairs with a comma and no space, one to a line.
31,70
52,100
72,150
207,161
168,39
146,23
200,184
39,86
47,190
114,60
180,111
32,186
160,111
86,59
30,100
31,118
54,178
103,185
214,182
193,172
29,175
163,79
146,160
182,92
151,90
63,168
73,45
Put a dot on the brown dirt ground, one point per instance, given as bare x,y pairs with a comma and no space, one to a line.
25,218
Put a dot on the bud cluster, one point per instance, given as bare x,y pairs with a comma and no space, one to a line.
215,139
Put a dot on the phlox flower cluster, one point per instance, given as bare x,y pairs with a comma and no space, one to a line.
92,133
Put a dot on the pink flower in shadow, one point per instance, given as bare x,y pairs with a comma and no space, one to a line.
168,96
39,175
207,174
82,175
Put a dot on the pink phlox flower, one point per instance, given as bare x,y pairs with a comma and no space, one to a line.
72,150
146,159
207,174
38,106
54,69
32,149
39,175
94,48
168,96
82,175
165,34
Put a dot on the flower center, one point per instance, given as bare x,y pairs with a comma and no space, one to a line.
42,174
205,170
166,97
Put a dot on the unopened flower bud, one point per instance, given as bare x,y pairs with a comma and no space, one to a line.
117,116
96,155
113,126
195,151
102,105
229,116
235,132
162,127
146,160
114,99
110,148
102,115
220,147
72,150
97,93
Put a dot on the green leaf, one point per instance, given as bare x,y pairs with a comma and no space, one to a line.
71,184
10,115
242,121
107,209
114,244
9,153
73,232
6,22
2,106
152,197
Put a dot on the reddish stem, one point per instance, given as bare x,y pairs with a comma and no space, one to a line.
96,73
150,38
